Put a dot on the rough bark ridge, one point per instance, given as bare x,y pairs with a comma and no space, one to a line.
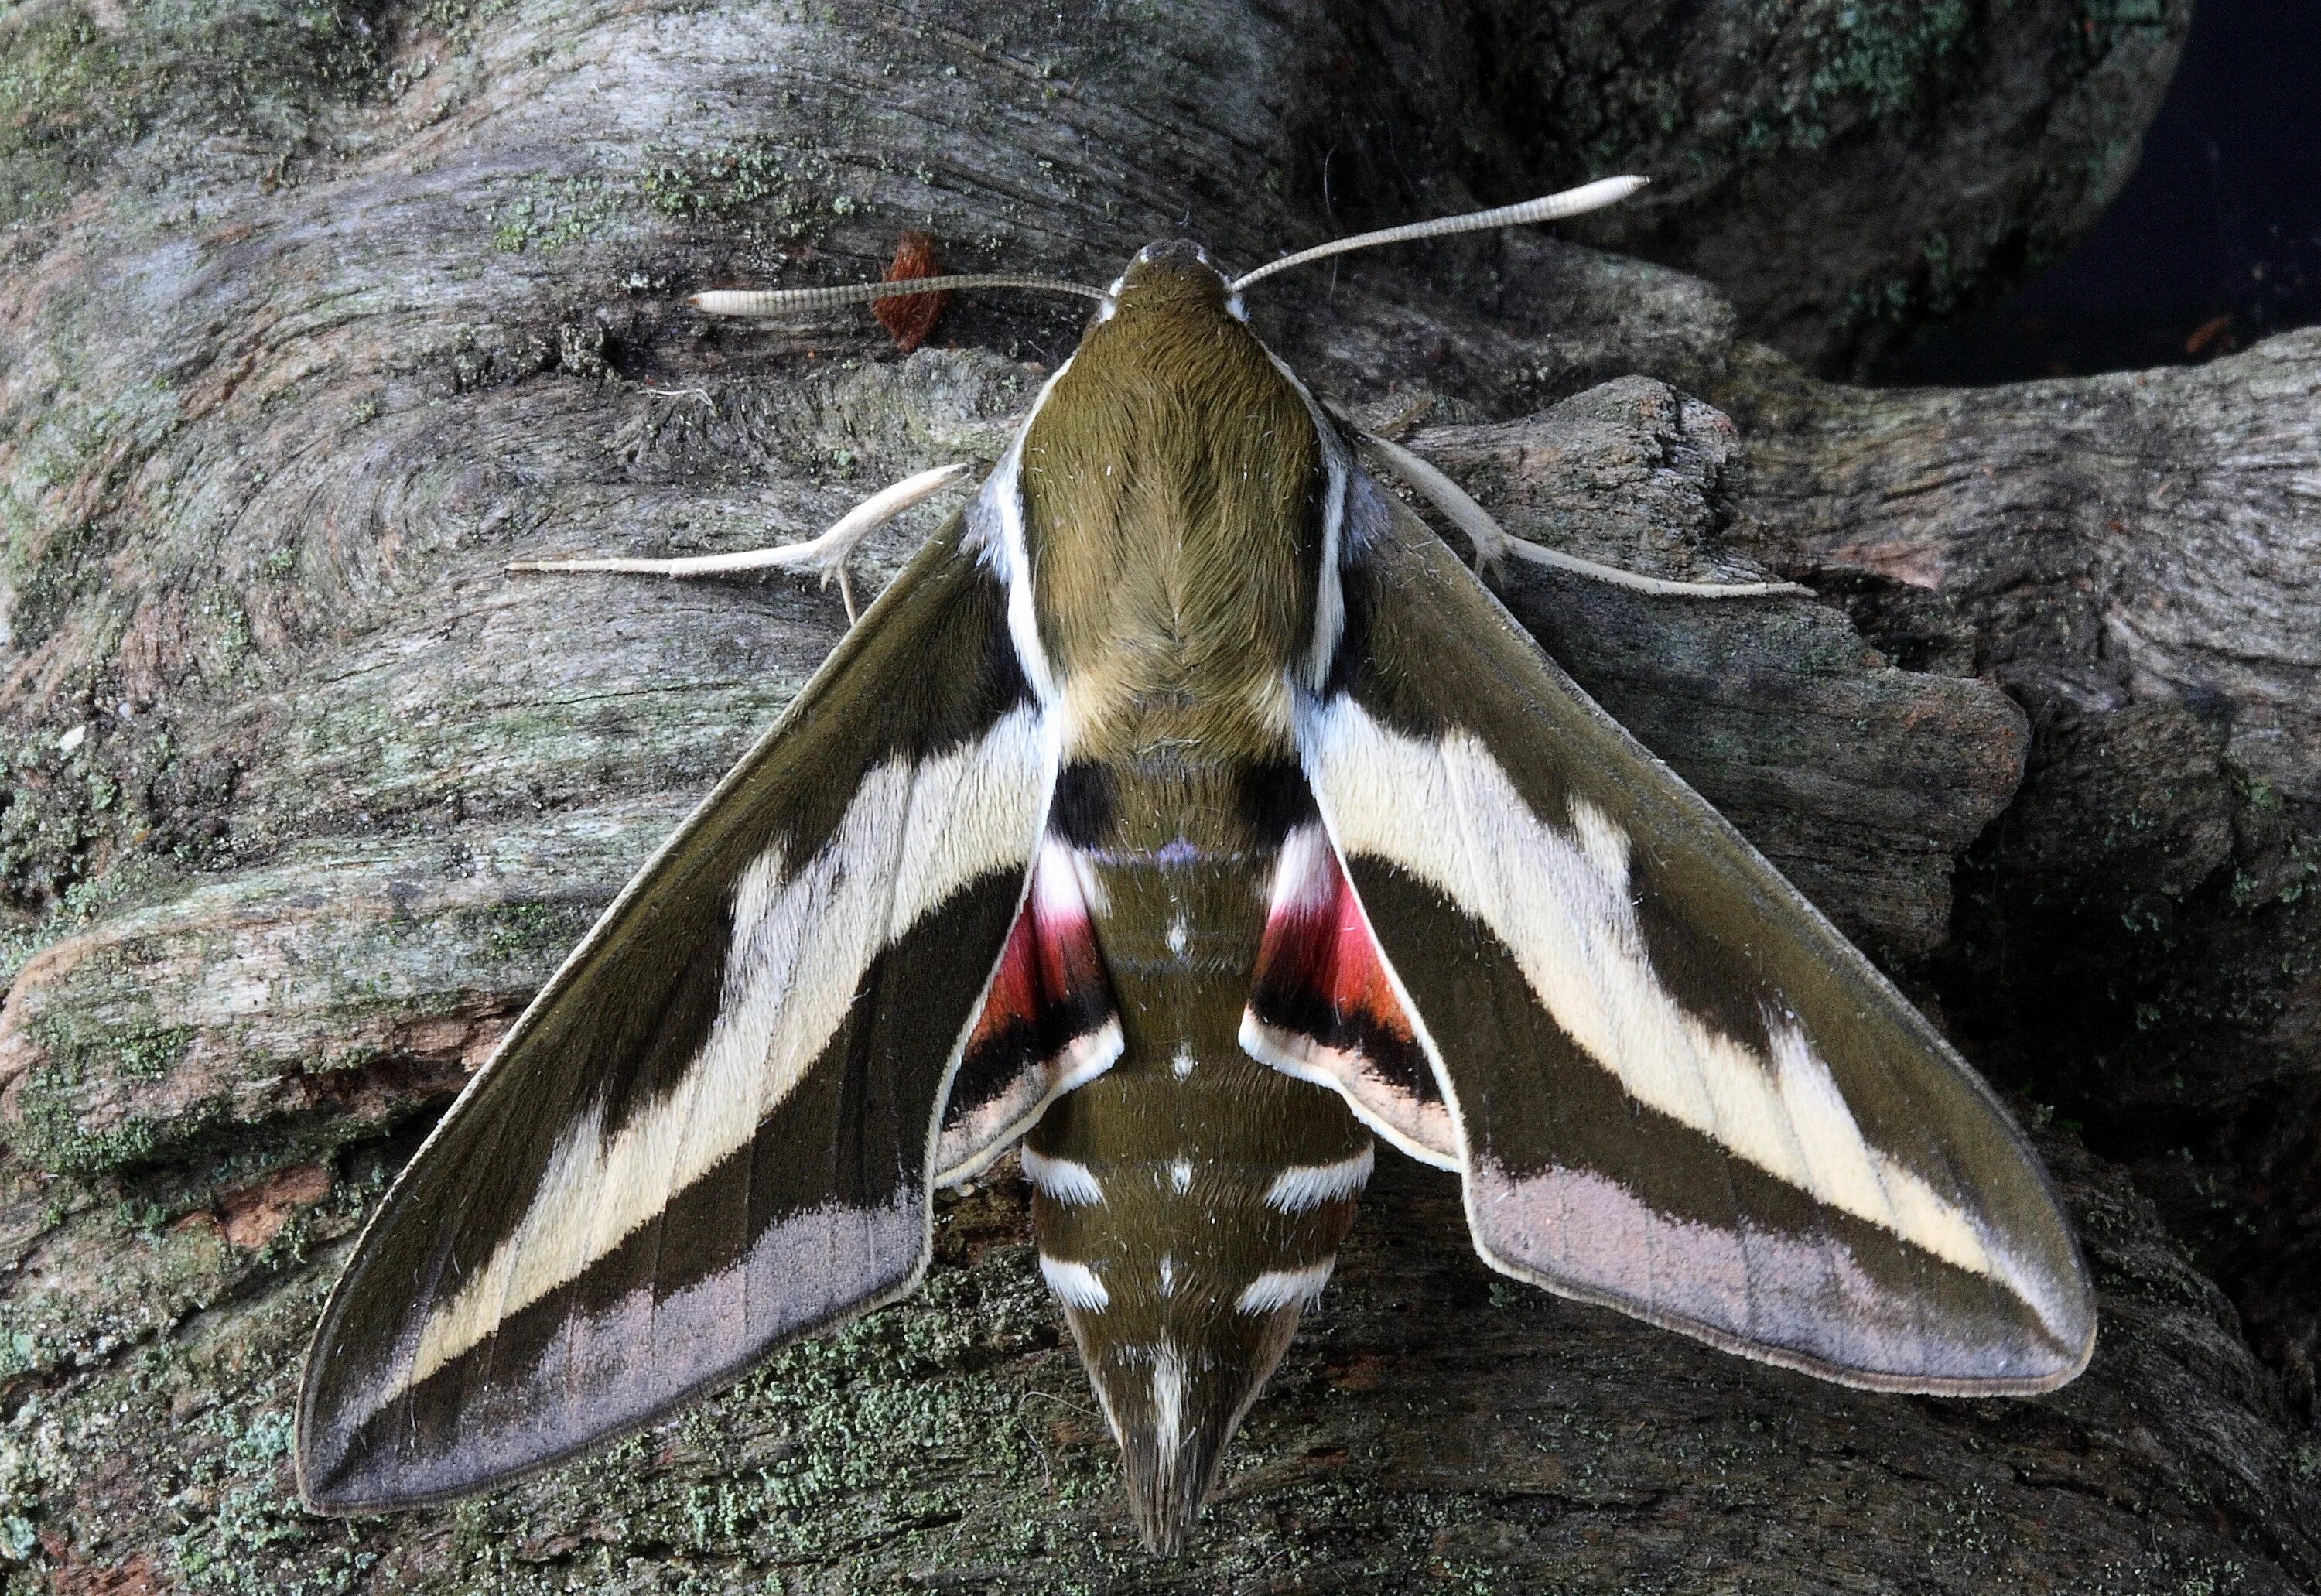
316,316
1847,173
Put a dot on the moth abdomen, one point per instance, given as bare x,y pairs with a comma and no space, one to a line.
1184,1277
1189,1204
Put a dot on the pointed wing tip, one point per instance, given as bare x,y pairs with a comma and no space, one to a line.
2064,1371
337,1477
344,1472
2082,1319
324,1505
354,1483
2036,1375
359,1504
2066,1310
2034,1369
2026,1366
326,1485
319,1466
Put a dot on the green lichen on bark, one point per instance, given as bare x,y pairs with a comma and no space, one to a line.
81,85
1428,1425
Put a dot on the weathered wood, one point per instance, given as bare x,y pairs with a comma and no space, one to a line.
1434,1425
1865,782
331,312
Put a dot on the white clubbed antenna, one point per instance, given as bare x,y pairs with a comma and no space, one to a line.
770,302
1554,207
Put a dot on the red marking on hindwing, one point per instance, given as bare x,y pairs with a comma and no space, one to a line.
1051,983
1318,968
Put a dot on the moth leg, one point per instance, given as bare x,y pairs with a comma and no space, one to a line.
827,553
1493,545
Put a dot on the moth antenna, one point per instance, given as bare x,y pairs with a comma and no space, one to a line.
1553,207
774,302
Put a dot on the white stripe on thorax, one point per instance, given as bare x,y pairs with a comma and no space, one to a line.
1559,902
914,834
1329,588
1005,548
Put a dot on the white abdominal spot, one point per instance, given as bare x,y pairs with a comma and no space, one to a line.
1277,1288
1075,1285
1063,1180
1306,1186
1167,1404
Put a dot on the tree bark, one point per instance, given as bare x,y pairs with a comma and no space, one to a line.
316,317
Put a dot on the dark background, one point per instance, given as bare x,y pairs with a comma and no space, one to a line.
2215,242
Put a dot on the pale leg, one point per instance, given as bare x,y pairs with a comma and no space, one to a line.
827,553
1493,545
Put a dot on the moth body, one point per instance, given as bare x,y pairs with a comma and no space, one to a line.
1188,1202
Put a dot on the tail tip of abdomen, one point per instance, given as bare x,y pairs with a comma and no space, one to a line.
1165,1496
1174,1407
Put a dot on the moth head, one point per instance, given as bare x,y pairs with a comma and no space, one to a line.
1174,276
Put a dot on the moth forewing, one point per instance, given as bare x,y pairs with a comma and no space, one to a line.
712,1131
1678,1090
